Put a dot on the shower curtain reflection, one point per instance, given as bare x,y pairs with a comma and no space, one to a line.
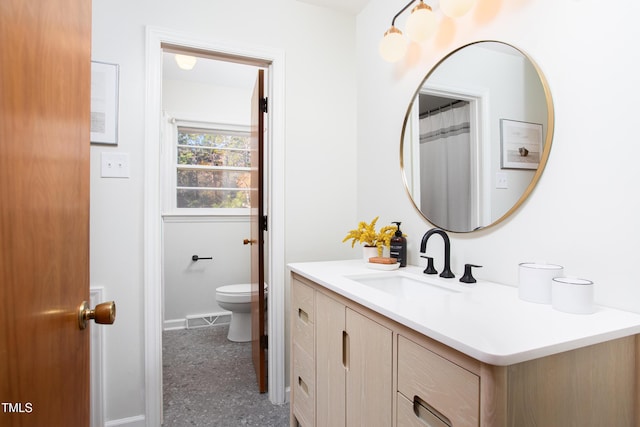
445,156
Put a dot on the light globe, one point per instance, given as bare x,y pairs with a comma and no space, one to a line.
421,24
185,62
393,46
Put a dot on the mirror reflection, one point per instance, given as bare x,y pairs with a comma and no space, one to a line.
476,136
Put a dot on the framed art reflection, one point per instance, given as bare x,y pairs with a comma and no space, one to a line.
521,144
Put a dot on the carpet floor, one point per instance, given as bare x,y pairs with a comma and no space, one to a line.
209,381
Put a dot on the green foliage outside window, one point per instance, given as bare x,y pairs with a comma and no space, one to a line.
213,169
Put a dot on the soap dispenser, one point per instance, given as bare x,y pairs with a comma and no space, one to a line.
398,248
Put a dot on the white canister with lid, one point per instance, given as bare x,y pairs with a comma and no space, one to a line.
572,295
534,283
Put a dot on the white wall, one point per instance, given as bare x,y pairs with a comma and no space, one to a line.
583,213
197,101
190,287
320,136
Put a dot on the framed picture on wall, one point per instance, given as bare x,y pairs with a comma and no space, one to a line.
521,144
104,103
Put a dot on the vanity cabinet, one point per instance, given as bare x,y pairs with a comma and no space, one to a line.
352,366
347,381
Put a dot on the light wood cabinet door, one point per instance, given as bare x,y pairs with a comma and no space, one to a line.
353,367
369,372
330,363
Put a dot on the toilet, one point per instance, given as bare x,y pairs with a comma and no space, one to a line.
237,300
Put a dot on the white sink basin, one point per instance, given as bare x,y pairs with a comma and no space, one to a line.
403,285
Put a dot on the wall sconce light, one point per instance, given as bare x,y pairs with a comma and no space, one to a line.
421,25
185,62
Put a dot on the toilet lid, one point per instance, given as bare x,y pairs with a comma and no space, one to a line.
238,289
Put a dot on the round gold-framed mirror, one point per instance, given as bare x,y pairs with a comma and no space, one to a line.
476,136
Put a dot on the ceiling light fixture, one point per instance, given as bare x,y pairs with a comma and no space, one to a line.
185,62
421,25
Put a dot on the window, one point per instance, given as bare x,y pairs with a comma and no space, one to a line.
212,168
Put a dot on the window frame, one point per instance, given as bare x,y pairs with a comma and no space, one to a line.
170,174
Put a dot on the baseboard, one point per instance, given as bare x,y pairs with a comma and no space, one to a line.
137,421
170,325
197,321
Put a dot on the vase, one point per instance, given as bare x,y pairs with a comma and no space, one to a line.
369,252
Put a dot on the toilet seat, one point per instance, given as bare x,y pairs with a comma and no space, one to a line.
238,293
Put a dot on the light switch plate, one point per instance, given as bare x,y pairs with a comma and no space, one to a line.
501,180
114,165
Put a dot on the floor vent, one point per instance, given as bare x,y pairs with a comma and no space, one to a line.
206,320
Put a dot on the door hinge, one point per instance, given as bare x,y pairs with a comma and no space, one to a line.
264,104
264,342
265,227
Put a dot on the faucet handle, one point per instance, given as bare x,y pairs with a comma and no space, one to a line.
430,268
468,277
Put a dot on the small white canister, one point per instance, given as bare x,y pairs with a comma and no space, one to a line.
572,295
534,283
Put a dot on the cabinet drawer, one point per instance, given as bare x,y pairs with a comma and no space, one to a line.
303,387
303,315
413,414
447,388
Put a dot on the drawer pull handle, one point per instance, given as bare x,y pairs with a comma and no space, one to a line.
303,315
345,350
430,415
303,386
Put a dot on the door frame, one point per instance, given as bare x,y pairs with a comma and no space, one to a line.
155,37
479,101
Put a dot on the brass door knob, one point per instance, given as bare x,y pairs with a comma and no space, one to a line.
104,313
248,242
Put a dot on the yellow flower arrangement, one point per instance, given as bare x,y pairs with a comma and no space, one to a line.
366,233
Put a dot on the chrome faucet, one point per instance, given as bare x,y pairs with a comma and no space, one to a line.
446,273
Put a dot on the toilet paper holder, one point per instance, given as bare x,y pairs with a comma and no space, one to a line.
196,258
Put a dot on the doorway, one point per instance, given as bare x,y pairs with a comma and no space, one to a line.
428,122
273,61
205,184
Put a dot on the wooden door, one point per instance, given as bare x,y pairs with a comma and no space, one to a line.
45,72
258,225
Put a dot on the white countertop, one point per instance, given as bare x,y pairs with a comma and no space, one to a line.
485,320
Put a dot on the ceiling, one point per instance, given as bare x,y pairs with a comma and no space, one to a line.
209,71
229,74
350,6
